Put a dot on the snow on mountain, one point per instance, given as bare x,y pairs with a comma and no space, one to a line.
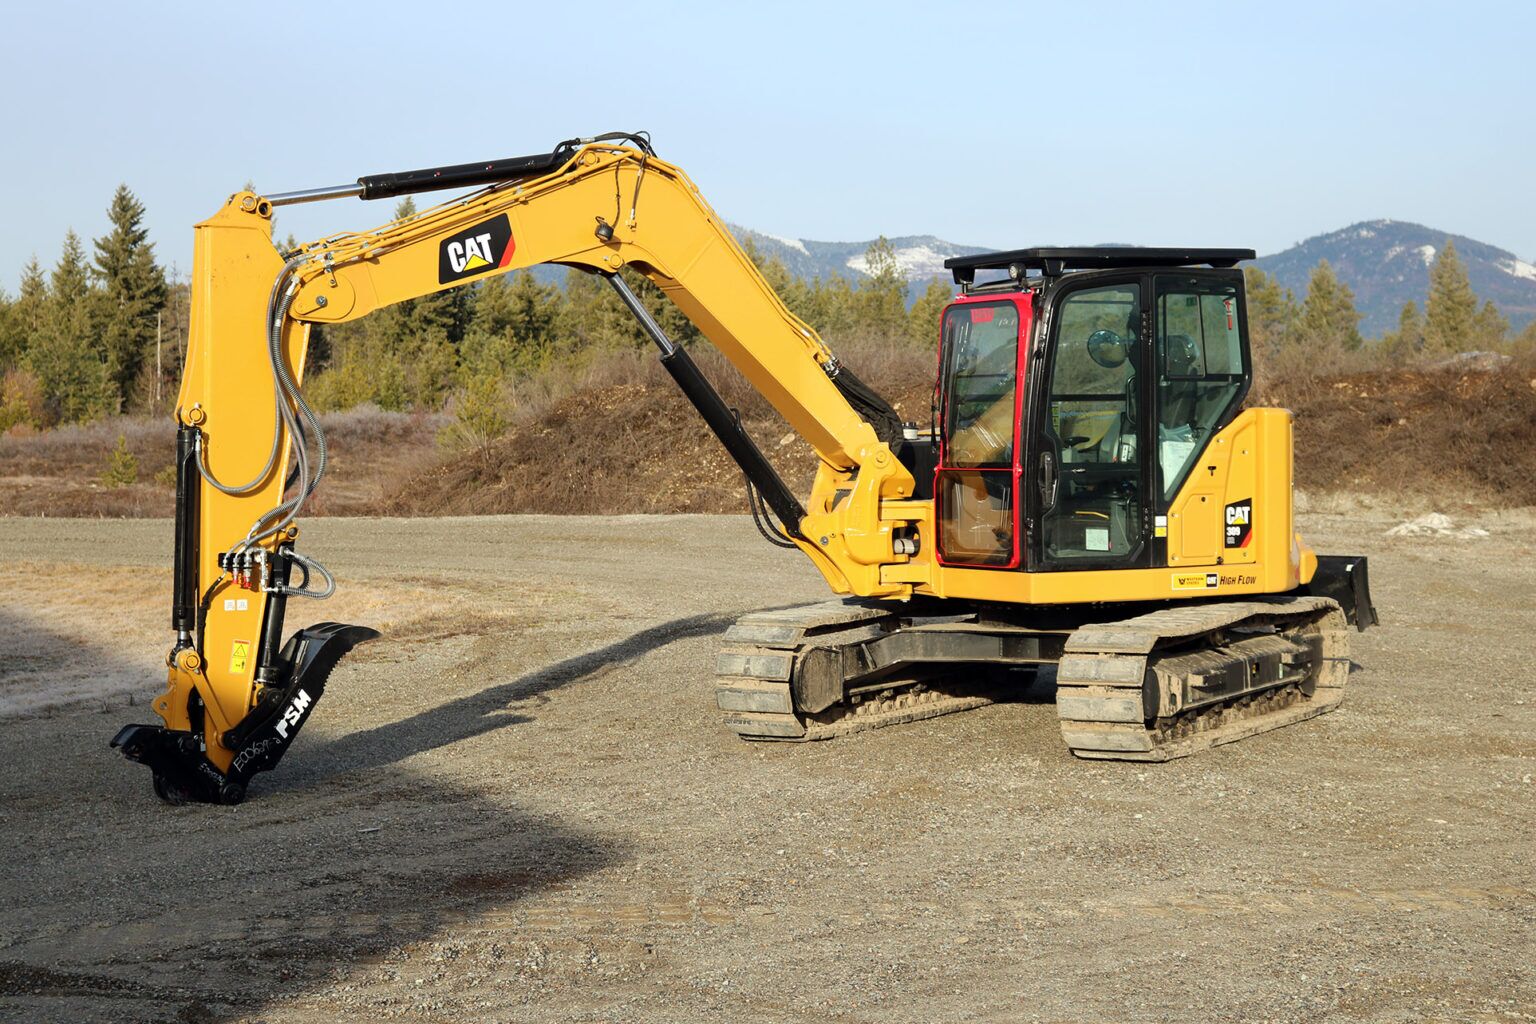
793,243
913,261
920,257
1519,268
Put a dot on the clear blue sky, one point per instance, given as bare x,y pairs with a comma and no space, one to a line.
988,124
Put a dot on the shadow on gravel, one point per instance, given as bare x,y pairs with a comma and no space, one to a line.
240,913
474,715
118,908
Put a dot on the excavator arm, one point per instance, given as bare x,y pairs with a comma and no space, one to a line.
250,450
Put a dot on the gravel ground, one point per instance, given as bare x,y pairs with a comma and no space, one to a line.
519,805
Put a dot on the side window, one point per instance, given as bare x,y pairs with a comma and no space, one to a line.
1201,375
1092,401
975,487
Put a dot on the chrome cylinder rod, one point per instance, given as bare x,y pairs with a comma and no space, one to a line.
315,195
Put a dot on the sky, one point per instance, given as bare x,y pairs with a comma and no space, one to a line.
993,124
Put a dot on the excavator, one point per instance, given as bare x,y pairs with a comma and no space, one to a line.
1091,495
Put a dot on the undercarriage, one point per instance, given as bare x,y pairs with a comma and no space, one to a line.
1137,683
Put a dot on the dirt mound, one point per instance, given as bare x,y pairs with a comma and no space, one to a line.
636,447
627,441
1447,435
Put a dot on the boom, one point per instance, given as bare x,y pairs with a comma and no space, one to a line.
250,450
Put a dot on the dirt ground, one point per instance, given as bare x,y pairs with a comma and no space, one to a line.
519,805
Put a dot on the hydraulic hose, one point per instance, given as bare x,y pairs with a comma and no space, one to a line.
294,414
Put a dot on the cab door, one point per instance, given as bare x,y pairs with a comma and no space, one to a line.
976,487
1200,343
1090,477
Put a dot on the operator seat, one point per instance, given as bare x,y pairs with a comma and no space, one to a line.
1179,396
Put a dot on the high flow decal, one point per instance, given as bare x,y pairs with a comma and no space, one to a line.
486,246
1239,523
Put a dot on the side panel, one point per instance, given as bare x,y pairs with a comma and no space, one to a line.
1224,481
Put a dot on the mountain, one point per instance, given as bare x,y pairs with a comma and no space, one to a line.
1386,264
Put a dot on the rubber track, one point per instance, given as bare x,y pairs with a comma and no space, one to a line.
754,669
1099,696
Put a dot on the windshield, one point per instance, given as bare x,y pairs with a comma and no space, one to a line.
981,345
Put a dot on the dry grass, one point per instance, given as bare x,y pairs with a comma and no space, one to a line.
58,472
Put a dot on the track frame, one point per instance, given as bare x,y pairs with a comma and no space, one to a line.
1151,686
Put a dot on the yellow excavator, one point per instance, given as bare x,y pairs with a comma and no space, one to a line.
1091,493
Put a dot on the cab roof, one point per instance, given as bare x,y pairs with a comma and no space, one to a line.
1053,262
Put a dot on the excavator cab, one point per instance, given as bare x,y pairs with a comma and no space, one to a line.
1077,392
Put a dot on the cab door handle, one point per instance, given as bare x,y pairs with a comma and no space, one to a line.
1048,481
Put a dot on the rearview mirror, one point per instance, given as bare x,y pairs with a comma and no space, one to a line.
1107,349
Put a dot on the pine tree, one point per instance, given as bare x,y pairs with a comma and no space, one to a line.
832,307
882,295
1404,344
1450,313
449,312
32,303
1523,347
594,316
21,398
791,290
1328,317
533,311
516,326
1272,314
12,341
479,416
133,291
122,467
27,311
74,378
1490,330
923,320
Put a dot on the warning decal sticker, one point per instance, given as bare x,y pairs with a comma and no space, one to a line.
239,654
